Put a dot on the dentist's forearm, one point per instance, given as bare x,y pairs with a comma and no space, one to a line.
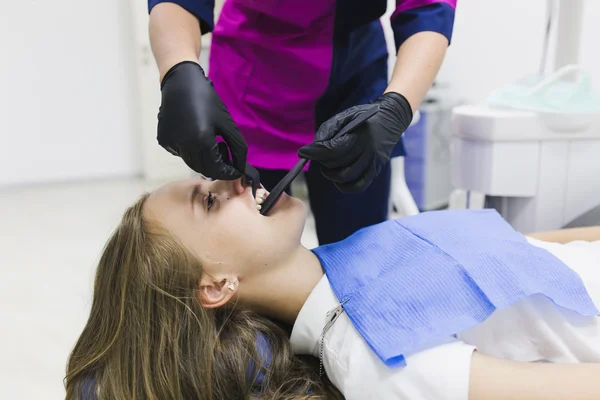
419,60
174,36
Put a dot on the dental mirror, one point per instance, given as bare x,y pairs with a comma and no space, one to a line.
278,190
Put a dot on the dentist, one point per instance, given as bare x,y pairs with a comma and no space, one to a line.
291,74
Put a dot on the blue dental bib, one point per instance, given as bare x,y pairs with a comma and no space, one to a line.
411,283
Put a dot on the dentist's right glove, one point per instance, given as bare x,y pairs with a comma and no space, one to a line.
190,118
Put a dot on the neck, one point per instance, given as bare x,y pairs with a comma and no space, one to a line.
280,293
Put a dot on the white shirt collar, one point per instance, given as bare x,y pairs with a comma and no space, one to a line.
312,319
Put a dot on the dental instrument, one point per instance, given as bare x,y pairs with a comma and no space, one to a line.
297,169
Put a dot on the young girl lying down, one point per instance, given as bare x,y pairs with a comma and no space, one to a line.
198,296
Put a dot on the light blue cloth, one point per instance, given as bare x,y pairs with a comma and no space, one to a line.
412,283
559,96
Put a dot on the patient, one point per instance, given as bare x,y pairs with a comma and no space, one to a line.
196,293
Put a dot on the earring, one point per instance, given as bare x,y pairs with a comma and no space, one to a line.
231,286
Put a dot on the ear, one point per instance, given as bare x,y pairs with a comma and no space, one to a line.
215,294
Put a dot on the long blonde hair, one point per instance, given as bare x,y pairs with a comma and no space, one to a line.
148,336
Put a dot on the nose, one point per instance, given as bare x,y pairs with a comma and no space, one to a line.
238,186
230,188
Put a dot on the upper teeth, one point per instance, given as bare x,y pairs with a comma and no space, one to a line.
261,195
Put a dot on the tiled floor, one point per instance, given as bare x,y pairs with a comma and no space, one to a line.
50,239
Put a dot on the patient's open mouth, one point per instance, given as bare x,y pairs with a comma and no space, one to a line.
261,195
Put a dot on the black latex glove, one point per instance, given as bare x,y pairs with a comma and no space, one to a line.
353,160
190,118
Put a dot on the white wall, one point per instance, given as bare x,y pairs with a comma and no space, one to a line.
495,43
66,109
158,165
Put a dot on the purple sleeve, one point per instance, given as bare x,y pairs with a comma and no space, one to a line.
414,16
202,9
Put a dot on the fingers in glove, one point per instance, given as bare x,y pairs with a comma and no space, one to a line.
234,139
195,160
351,172
333,125
361,183
331,149
221,169
208,157
333,153
224,150
209,162
227,172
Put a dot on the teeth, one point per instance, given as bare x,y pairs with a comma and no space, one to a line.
261,195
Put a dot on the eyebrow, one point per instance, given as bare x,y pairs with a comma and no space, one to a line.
194,194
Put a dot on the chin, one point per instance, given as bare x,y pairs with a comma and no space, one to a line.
293,206
291,212
300,212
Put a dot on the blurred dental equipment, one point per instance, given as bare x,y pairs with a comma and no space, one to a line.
533,151
426,165
401,197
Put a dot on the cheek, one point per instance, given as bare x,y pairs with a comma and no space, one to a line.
239,218
238,233
236,228
221,248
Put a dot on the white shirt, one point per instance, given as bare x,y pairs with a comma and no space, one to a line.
531,330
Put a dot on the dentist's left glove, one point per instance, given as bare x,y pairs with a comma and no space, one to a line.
353,160
190,118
